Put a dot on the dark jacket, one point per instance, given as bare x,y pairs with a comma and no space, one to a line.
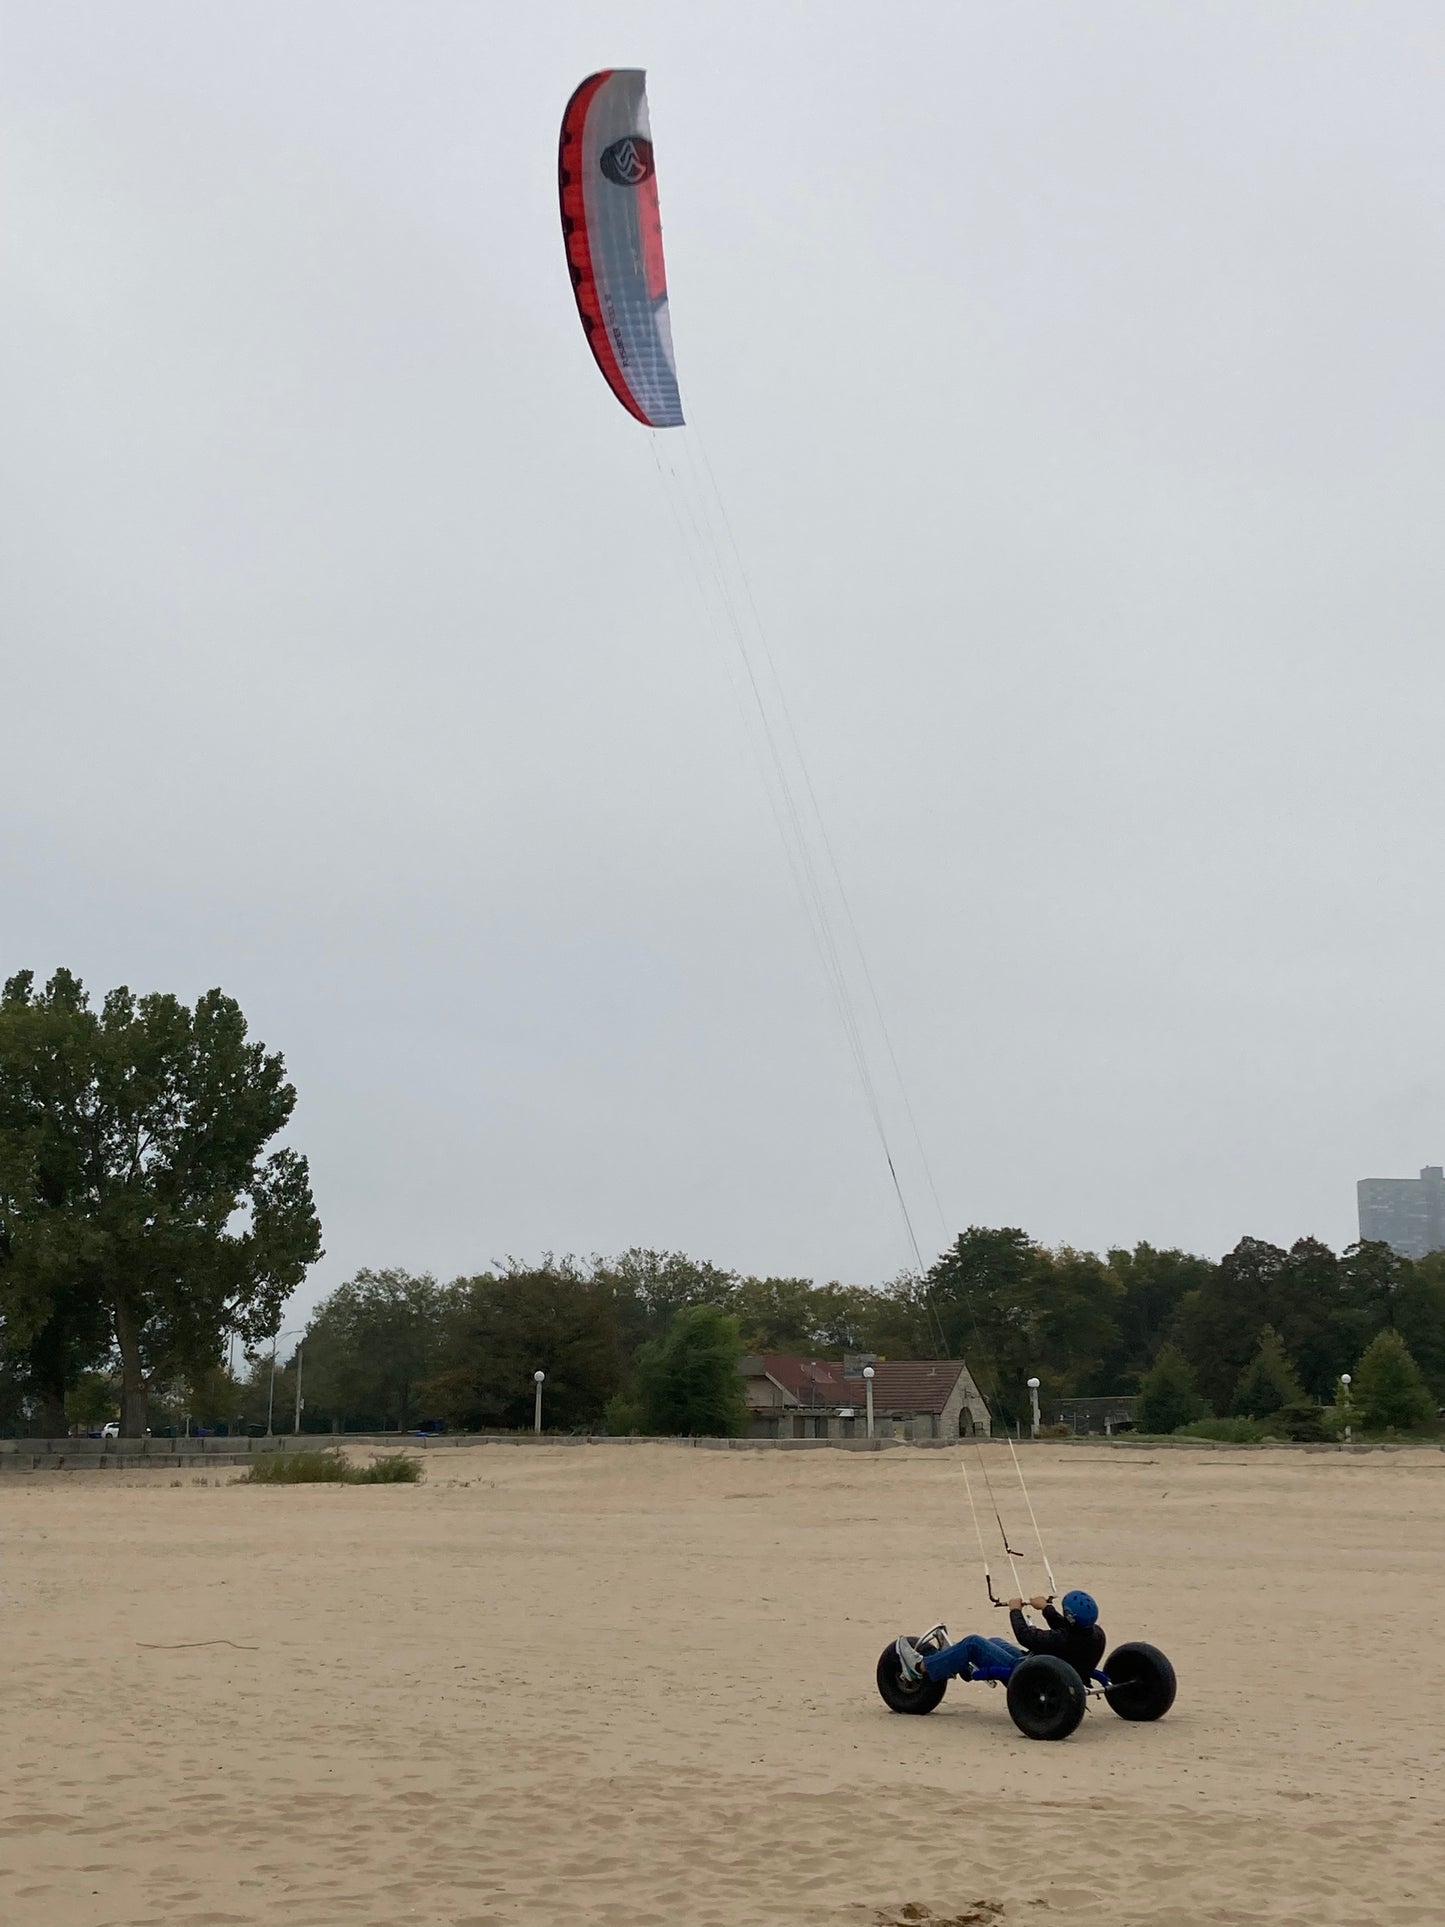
1081,1646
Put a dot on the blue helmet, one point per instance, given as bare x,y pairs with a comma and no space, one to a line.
1080,1608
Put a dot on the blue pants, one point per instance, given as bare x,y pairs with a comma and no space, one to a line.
973,1650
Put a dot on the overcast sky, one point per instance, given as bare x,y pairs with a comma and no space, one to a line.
1072,379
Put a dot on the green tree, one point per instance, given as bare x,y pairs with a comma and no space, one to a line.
1151,1285
1304,1312
1268,1382
778,1314
982,1298
1419,1316
370,1347
1168,1397
1371,1277
554,1317
212,1397
1217,1326
689,1382
794,1315
1013,1309
266,1393
649,1286
1075,1321
1388,1390
897,1319
134,1173
92,1400
72,1341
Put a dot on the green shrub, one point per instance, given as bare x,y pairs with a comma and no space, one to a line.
1302,1422
624,1415
297,1468
328,1468
397,1471
1227,1431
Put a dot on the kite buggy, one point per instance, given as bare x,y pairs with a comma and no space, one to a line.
1050,1676
612,233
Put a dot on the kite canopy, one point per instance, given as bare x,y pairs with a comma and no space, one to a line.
613,235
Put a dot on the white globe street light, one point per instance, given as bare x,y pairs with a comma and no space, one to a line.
1034,1402
537,1378
868,1389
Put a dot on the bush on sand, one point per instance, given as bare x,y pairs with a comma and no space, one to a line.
329,1468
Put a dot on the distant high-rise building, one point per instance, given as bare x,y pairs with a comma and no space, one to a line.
1408,1214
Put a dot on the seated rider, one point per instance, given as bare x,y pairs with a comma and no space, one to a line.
1074,1635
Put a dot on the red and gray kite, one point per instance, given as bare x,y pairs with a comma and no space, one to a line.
613,234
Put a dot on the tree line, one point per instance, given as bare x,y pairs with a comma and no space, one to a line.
149,1228
1263,1329
390,1348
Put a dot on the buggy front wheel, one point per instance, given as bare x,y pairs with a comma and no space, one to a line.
904,1695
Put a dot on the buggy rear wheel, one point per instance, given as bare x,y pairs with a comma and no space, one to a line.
904,1695
1046,1697
1141,1682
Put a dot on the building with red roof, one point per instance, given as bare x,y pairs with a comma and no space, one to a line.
804,1398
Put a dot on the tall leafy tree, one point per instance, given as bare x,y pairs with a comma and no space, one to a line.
1151,1285
555,1318
897,1320
688,1382
983,1297
135,1176
372,1345
1217,1327
1075,1322
1371,1278
650,1286
1419,1313
73,1339
1303,1311
1013,1309
795,1315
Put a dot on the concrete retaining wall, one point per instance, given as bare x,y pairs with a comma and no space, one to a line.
134,1455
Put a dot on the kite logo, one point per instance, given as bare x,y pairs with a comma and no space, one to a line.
628,162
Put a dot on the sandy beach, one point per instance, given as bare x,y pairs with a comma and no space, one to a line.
633,1685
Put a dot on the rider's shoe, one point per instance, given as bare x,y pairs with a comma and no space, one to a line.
909,1658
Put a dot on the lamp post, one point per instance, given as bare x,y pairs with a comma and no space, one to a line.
868,1391
271,1399
1345,1381
537,1378
300,1402
1034,1404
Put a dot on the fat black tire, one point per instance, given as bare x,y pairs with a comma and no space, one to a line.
1046,1697
902,1695
1141,1682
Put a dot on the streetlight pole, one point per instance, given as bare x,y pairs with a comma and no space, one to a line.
537,1378
271,1399
300,1402
1034,1403
868,1389
1345,1381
